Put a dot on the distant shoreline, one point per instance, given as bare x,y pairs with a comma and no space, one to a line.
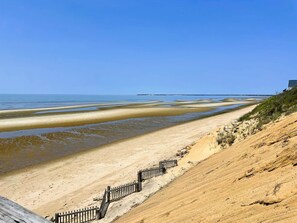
232,95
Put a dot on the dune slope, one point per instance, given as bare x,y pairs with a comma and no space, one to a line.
254,180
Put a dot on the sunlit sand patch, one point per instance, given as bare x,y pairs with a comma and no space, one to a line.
252,99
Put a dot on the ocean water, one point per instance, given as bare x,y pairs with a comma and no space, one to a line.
19,149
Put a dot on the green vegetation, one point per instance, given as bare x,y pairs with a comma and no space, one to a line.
273,107
225,139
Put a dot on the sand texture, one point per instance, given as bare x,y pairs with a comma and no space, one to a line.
74,181
196,152
252,181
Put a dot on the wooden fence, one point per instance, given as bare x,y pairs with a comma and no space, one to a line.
113,194
168,163
104,204
77,216
152,172
118,193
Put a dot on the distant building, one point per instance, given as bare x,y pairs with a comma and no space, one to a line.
292,83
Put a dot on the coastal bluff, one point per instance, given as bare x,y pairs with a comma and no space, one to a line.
11,212
254,180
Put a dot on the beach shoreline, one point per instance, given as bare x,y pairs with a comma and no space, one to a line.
73,182
29,146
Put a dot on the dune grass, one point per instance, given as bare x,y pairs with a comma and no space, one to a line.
273,107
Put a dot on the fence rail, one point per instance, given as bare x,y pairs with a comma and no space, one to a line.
77,216
113,194
153,172
117,193
168,163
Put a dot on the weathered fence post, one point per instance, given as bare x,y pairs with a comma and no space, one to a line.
108,193
161,164
98,214
57,218
139,179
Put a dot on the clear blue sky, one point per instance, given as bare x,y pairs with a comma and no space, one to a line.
152,46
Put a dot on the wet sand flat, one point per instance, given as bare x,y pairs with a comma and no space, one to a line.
90,117
83,118
19,149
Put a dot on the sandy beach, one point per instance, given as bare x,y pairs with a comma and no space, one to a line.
53,133
74,181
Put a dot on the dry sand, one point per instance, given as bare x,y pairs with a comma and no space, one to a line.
254,180
74,181
205,147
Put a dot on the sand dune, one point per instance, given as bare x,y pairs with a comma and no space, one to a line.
252,181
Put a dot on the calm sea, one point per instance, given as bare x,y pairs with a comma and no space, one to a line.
17,101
